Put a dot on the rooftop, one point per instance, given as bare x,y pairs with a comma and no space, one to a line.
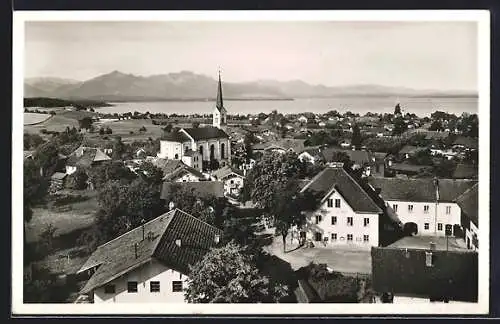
424,243
85,156
203,133
468,202
336,178
200,189
358,157
420,190
226,171
466,141
118,256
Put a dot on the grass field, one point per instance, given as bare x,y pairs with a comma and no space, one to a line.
80,216
34,118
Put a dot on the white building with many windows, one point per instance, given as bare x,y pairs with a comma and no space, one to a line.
426,206
347,215
150,262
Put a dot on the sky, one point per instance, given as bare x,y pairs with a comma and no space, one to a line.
419,55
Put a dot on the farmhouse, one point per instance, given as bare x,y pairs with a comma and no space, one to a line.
149,263
233,180
425,206
346,215
85,157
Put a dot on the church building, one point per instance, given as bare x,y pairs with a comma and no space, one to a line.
202,146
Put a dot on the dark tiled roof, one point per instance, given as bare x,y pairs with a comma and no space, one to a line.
420,190
468,202
118,256
202,133
339,179
181,171
296,145
85,156
168,166
454,273
408,167
175,136
468,142
465,171
200,189
358,157
226,171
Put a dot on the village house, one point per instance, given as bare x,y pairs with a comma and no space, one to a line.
150,263
85,157
425,269
57,181
312,155
185,173
468,203
233,180
424,206
201,145
347,215
361,159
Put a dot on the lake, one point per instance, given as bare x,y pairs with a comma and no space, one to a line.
420,106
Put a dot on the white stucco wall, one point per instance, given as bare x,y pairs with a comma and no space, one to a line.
234,187
153,271
469,234
419,217
168,150
188,177
341,228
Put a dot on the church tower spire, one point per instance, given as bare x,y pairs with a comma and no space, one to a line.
220,113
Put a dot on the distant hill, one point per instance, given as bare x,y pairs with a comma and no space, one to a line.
54,103
186,85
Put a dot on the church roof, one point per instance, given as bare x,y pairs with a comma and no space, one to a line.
203,133
219,102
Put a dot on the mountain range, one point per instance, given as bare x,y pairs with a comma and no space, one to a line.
186,85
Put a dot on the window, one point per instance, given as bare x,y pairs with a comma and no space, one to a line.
366,238
317,236
154,286
440,226
109,289
349,221
176,286
395,207
448,209
337,203
334,220
176,156
448,230
318,219
334,236
330,202
349,237
410,208
426,226
232,181
426,209
366,221
132,286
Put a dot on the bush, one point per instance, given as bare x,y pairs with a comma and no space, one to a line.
77,180
142,129
131,132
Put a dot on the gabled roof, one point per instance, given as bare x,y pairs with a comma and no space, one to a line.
408,167
175,136
227,171
468,202
454,274
203,133
167,166
181,171
336,178
86,156
118,256
296,145
420,190
201,189
410,149
358,157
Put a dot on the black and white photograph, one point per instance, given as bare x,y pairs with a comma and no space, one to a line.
174,162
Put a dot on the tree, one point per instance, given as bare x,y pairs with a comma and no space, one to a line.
356,136
77,180
436,125
196,124
101,131
85,123
168,128
118,148
151,173
108,130
102,174
47,157
142,201
229,275
32,141
142,129
399,126
397,109
248,141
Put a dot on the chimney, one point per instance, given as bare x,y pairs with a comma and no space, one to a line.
135,248
178,242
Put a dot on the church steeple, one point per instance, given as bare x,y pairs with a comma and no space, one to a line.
219,104
220,114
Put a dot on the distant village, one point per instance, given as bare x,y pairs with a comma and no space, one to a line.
295,208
